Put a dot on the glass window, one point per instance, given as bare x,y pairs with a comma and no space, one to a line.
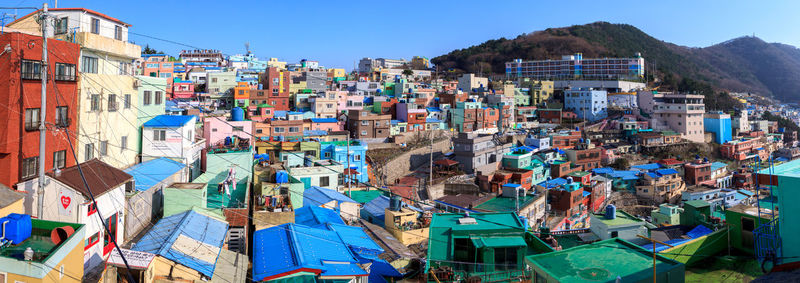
61,25
89,151
123,143
32,119
30,166
65,72
89,65
159,97
112,102
127,102
159,135
95,26
95,105
62,116
147,97
118,32
103,148
30,69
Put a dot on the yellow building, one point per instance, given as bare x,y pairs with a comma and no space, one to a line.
273,62
395,223
107,89
62,262
539,91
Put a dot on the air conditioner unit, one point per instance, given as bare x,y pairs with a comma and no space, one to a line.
137,84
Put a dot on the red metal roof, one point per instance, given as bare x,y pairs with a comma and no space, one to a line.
670,161
445,162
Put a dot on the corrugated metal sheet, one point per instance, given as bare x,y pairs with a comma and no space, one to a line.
315,216
169,121
189,238
150,173
319,196
377,207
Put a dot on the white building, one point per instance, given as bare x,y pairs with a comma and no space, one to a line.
679,112
588,104
468,82
173,137
66,199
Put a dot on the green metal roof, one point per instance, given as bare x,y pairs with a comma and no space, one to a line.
601,261
578,174
485,221
623,218
504,204
499,242
363,197
696,203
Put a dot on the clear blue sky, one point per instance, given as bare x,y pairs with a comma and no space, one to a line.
337,33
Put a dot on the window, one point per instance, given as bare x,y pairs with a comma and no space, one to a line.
259,131
89,151
118,32
123,143
61,25
279,130
363,133
127,102
112,102
93,240
59,159
364,123
147,97
65,72
124,68
357,157
103,148
89,65
159,135
294,129
324,181
30,166
327,155
95,105
31,119
31,70
505,258
95,26
159,97
238,129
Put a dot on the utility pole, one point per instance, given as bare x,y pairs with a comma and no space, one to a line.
43,112
430,167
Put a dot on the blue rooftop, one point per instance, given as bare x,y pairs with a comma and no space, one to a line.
287,249
604,170
189,238
318,196
324,120
432,120
554,183
150,173
718,165
315,216
377,206
647,167
433,109
664,172
169,121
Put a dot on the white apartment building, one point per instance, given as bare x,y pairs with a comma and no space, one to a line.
679,112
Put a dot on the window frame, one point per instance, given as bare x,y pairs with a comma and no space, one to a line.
68,74
30,119
24,168
95,26
63,159
35,72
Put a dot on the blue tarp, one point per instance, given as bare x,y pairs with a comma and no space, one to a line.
281,177
150,173
315,216
377,207
193,229
318,196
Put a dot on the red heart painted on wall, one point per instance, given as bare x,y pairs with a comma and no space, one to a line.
65,200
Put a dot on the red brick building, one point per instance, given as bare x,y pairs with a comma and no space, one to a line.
697,172
20,93
276,83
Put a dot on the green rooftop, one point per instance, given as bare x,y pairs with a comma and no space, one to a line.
363,197
505,204
788,169
697,203
217,170
623,218
604,261
579,174
485,221
40,241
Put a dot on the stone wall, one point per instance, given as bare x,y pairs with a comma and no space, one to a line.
404,163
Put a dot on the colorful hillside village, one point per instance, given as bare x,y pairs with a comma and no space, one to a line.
203,166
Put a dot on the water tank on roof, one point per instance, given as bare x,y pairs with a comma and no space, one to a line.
394,203
569,180
237,114
16,227
611,211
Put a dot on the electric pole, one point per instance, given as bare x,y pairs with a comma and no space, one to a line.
430,167
348,171
43,112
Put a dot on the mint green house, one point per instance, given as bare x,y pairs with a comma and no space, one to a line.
151,103
523,160
458,115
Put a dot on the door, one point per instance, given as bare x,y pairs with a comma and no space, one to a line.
110,234
748,225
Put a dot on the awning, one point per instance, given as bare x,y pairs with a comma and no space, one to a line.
498,242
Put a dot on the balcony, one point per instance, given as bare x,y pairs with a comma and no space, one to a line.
108,45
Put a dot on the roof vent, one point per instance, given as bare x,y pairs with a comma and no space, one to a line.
467,220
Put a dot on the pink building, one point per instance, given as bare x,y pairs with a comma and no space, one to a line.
679,112
326,124
183,89
326,104
216,129
351,102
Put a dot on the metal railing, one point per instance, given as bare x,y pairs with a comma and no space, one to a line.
768,241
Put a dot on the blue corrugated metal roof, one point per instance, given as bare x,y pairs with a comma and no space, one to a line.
604,170
315,133
324,120
150,173
169,121
290,248
586,194
668,171
356,239
647,167
315,216
432,120
652,175
553,183
161,239
433,109
319,196
718,165
377,206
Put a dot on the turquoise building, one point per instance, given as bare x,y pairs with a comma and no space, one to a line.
337,150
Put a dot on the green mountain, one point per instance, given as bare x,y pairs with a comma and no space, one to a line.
745,64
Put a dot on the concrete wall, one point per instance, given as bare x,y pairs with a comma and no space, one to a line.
404,163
